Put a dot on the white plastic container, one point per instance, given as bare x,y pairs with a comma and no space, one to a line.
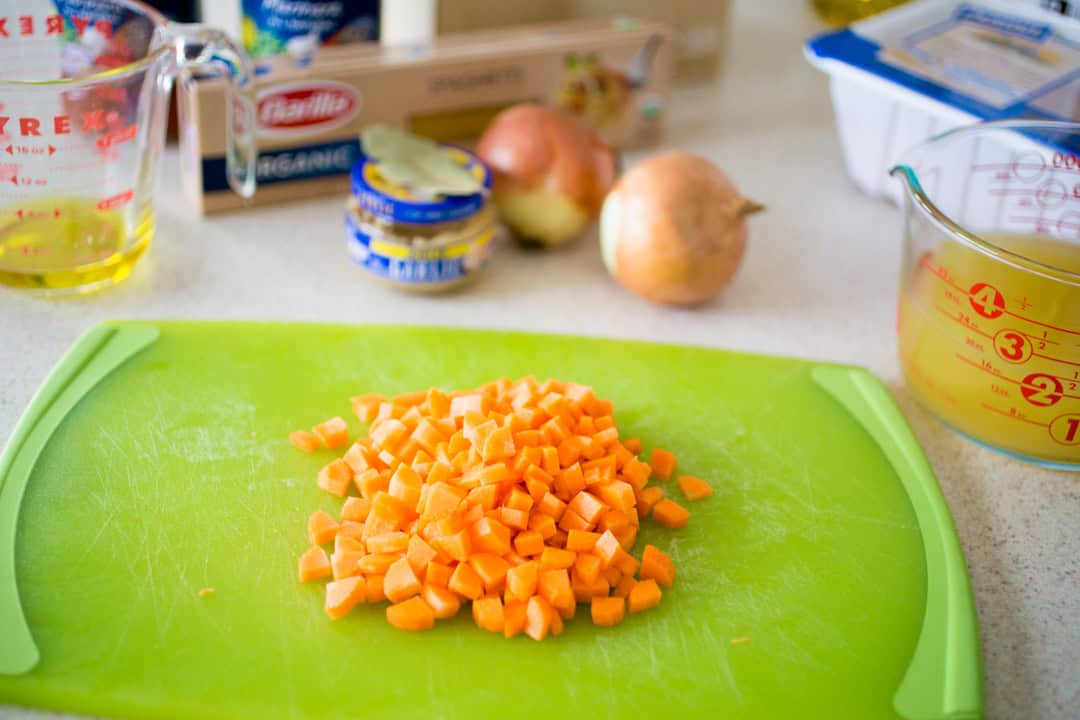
929,66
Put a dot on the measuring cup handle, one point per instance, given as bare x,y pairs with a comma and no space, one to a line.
203,51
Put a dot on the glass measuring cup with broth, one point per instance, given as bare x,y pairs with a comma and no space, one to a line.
84,90
989,312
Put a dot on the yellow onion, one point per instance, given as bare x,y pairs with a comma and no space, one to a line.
673,229
552,172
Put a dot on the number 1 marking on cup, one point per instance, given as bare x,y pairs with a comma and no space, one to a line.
1065,429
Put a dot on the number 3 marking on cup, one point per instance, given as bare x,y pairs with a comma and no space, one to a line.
1012,346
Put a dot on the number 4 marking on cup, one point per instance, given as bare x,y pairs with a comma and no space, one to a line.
1065,429
986,300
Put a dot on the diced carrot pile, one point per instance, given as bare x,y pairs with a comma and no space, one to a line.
518,497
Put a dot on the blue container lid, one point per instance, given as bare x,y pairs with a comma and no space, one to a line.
905,47
395,203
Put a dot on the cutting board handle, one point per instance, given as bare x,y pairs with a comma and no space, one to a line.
944,677
96,354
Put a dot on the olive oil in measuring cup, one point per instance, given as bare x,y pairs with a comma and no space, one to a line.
993,349
84,89
69,243
989,308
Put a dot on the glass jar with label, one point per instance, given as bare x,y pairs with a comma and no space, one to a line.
416,242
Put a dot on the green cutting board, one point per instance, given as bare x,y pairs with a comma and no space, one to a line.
154,463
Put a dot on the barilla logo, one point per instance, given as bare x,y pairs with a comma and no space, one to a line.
302,108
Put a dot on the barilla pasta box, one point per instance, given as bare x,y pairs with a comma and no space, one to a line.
614,74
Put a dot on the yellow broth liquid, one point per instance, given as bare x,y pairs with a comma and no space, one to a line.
994,350
69,245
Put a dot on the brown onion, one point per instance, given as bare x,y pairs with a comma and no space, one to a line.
673,229
552,172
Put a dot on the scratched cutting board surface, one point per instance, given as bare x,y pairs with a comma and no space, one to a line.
154,462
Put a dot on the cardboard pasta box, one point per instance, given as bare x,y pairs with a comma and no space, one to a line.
615,74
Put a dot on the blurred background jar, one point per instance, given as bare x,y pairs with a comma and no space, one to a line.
843,12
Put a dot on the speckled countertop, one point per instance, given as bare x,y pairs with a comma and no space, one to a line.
819,282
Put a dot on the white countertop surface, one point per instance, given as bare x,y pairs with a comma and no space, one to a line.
819,281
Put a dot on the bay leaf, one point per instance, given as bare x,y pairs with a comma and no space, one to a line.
423,166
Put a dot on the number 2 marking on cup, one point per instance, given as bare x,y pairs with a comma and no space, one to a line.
1065,429
1042,390
1012,346
986,300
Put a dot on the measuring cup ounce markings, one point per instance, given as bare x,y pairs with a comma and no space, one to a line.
83,106
989,312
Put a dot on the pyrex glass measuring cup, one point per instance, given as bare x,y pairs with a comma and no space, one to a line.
989,314
84,88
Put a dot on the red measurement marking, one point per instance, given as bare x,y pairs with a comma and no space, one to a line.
943,275
24,181
1065,160
1013,346
1011,413
1041,224
1065,362
986,367
961,319
1052,194
986,300
1026,171
1035,168
1004,166
1042,390
1065,429
116,200
1042,339
115,138
37,214
953,297
1018,316
939,271
49,150
924,262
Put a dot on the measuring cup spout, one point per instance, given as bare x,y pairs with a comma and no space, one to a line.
906,174
916,198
